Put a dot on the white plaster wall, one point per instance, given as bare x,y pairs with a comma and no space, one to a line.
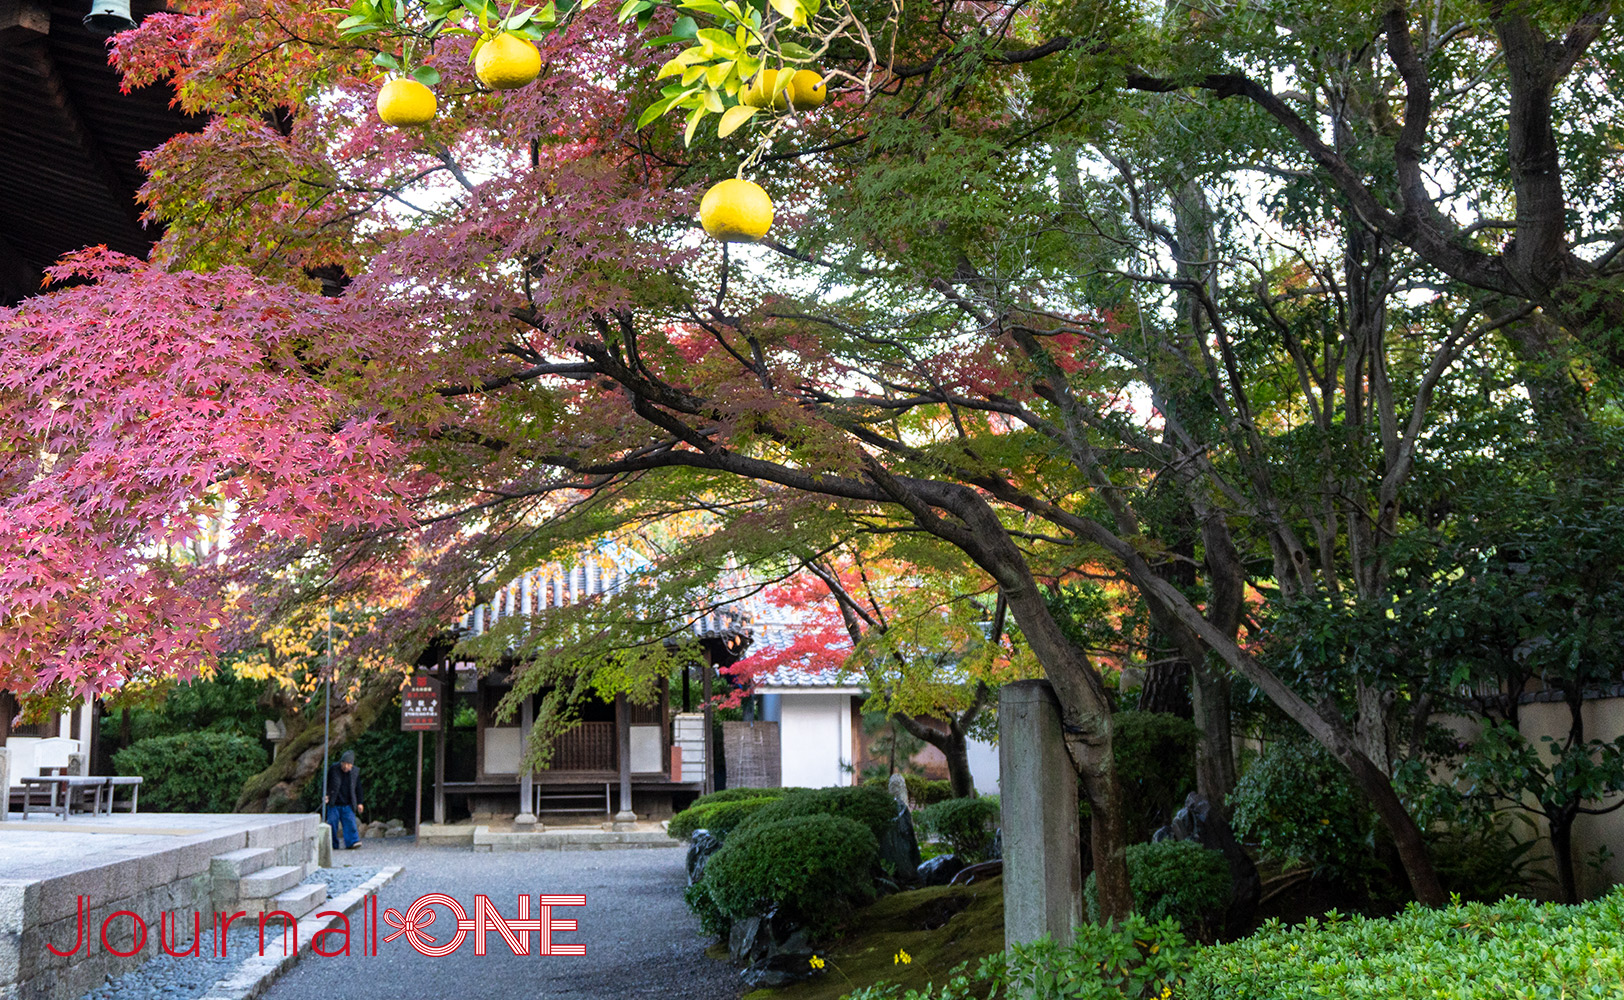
815,739
984,766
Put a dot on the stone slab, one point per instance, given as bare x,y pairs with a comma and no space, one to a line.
269,882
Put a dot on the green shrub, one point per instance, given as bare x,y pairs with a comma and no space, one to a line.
967,825
735,794
1174,880
718,817
1297,803
192,772
872,807
926,792
1155,764
711,919
812,868
1136,958
1467,951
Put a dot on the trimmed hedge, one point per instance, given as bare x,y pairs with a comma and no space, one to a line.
967,825
737,794
1172,880
813,868
192,772
718,817
874,808
1468,951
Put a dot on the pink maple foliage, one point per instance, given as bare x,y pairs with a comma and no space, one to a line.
146,417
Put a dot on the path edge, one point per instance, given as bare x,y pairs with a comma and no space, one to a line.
258,972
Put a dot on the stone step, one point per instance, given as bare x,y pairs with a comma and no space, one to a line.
299,900
236,864
268,882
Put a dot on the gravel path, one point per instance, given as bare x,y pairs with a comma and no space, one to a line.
640,939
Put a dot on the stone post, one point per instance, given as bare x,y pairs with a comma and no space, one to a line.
5,782
1043,880
625,819
526,819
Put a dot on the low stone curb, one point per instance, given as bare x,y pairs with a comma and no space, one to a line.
485,839
257,973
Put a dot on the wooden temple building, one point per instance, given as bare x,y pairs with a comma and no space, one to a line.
623,759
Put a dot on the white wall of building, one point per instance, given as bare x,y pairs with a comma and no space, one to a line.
815,735
983,766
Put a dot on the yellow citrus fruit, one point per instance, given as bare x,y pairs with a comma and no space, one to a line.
736,211
405,102
507,62
807,90
764,91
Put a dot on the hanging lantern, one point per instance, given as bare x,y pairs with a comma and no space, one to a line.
109,17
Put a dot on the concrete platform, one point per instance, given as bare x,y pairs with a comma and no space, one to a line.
149,864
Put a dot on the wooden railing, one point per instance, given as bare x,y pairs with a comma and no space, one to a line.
590,746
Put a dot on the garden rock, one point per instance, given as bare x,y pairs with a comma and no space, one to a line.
700,847
940,870
899,848
373,830
898,787
1198,822
777,952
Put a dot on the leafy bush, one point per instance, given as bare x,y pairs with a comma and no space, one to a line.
711,919
1173,880
735,794
718,817
814,869
1467,951
192,772
922,791
1136,958
967,825
1297,803
1155,764
871,807
1485,864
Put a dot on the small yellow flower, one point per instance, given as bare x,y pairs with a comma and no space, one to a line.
817,962
1155,948
903,958
1324,821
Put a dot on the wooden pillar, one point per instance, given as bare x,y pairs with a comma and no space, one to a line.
527,787
625,818
710,743
448,684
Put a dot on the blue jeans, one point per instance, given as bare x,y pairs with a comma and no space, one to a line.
343,816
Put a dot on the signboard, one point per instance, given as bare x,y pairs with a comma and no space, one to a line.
420,705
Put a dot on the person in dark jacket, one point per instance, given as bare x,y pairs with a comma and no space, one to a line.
344,800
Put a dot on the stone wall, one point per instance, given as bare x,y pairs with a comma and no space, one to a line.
172,877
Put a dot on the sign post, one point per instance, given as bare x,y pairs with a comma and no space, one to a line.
420,713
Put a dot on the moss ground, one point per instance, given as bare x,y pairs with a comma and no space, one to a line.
939,927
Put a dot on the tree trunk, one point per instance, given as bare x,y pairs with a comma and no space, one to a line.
953,744
1562,853
1085,709
1214,754
957,752
277,788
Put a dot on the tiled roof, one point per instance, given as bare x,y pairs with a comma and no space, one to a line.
799,677
555,586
